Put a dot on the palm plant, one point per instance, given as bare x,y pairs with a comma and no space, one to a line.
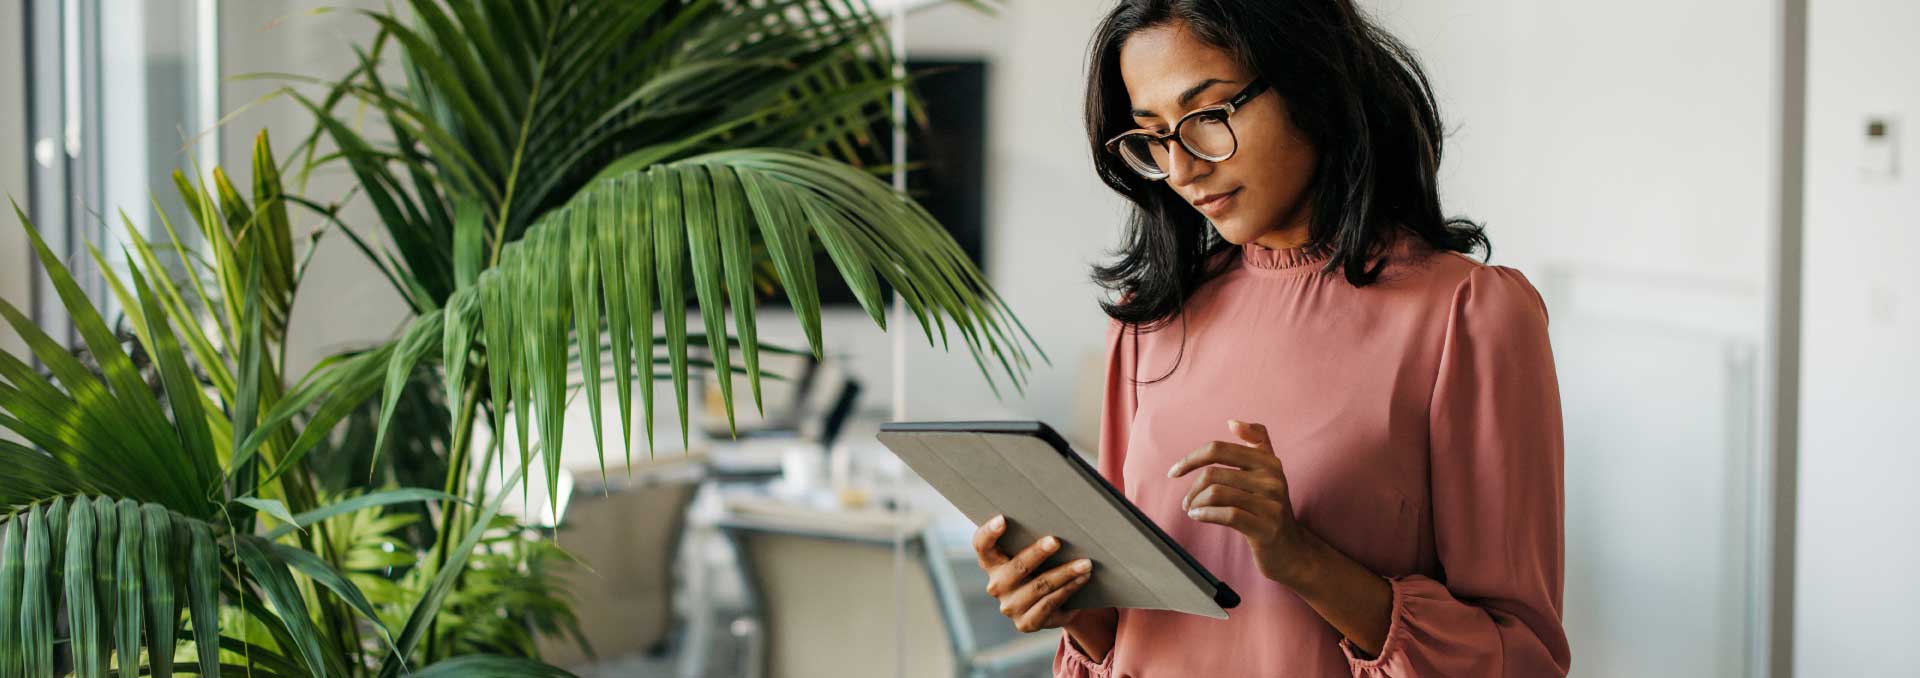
553,174
559,171
550,175
131,505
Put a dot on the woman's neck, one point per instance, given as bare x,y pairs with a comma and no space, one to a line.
1283,238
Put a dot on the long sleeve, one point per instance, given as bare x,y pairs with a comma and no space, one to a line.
1496,459
1116,424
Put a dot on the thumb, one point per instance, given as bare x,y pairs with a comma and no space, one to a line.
1253,434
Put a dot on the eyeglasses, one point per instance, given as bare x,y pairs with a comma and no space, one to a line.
1204,133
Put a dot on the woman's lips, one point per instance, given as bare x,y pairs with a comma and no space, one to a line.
1218,204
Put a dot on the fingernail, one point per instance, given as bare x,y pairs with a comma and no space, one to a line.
997,522
1194,514
1082,565
1171,469
1049,543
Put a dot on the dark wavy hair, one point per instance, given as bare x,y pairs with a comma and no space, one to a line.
1354,90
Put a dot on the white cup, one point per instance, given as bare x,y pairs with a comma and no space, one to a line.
802,469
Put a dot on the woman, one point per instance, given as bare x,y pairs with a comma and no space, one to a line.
1310,385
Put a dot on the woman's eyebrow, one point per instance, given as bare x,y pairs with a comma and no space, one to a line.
1185,97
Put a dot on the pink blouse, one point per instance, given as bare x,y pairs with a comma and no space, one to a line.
1418,421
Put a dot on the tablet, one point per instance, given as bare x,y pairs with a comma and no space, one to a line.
1025,470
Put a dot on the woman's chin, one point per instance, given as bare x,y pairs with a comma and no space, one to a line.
1235,233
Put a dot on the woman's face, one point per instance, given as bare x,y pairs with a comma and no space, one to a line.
1259,194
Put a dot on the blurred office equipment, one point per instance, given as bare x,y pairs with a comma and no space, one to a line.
896,603
626,532
807,408
787,381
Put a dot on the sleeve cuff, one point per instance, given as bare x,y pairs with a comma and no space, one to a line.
1070,662
1397,624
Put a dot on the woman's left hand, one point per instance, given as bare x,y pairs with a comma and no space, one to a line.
1242,486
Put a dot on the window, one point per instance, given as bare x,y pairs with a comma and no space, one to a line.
117,93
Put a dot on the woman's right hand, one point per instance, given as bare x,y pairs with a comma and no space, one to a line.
1032,600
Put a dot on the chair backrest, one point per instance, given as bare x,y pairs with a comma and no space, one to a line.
626,537
834,601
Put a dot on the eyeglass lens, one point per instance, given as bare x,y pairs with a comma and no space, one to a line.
1207,136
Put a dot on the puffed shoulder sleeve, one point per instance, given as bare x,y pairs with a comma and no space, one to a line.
1496,457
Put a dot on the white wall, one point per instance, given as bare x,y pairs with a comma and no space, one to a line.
1593,136
344,303
1860,378
1622,156
13,169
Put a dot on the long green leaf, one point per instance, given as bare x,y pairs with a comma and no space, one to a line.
106,566
669,255
271,574
732,214
365,501
86,638
339,388
163,606
36,602
128,578
32,475
272,507
637,211
586,316
183,389
203,594
320,572
13,565
703,244
184,320
420,336
246,405
143,409
608,218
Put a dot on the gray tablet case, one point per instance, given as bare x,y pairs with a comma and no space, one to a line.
1028,472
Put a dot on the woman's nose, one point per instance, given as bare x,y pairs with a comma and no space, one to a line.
1182,167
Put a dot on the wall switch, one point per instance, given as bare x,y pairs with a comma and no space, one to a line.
1880,149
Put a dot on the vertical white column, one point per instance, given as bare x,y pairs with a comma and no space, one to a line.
897,328
206,82
1771,653
898,322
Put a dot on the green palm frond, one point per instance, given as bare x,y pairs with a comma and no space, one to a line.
623,247
118,518
126,576
508,109
112,514
104,432
120,570
655,145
